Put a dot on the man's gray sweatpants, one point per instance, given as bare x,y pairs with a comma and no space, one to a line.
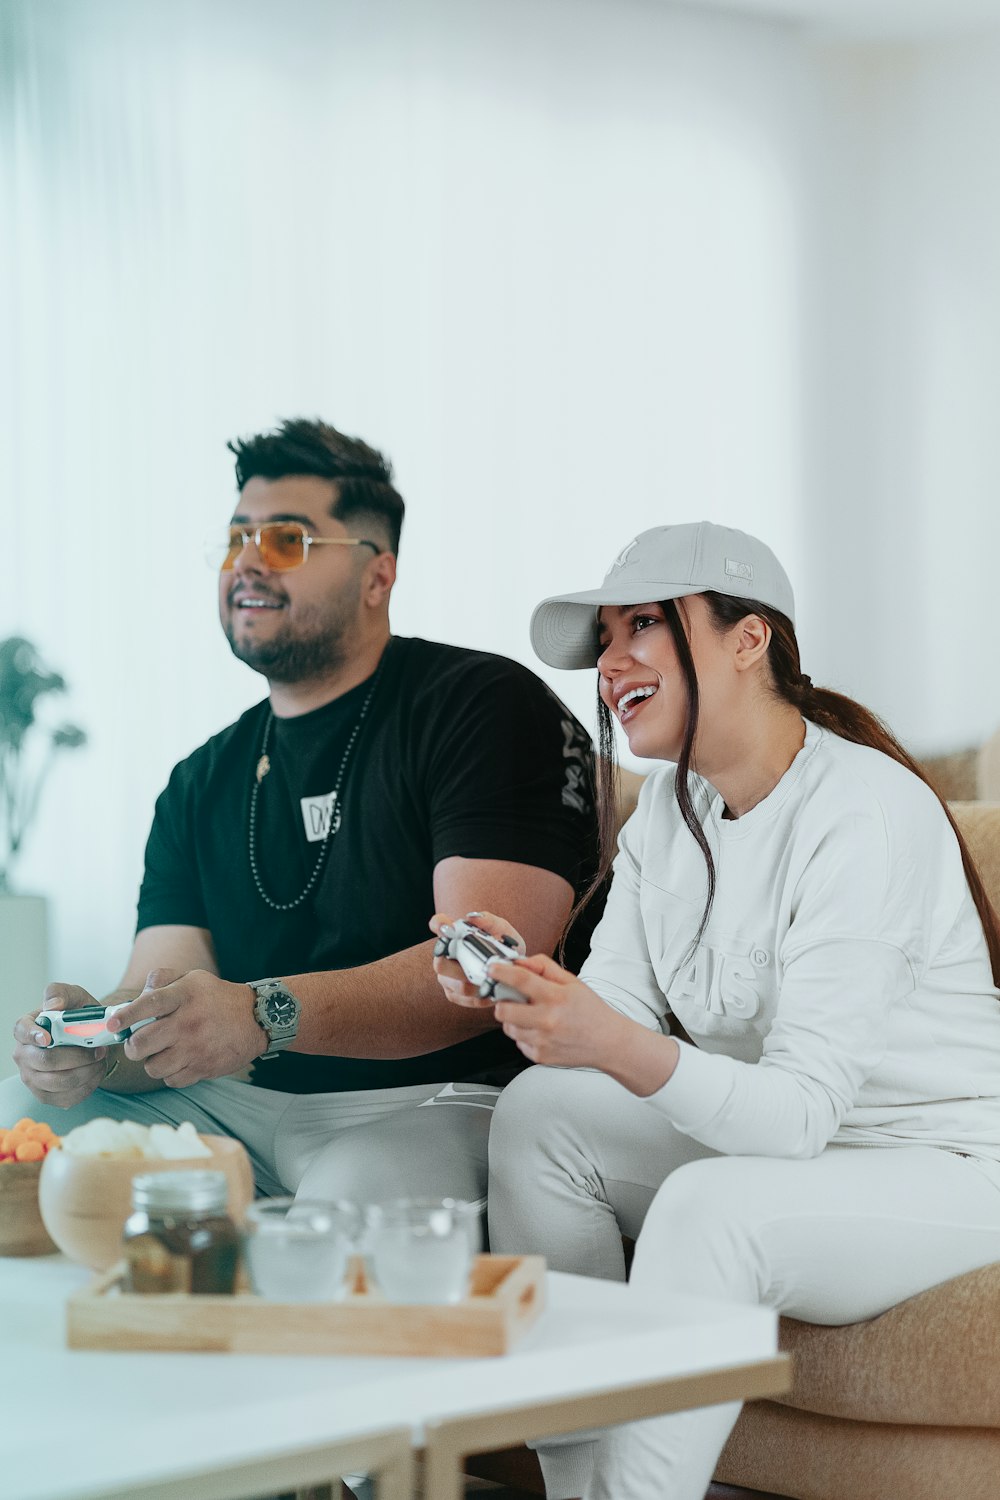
424,1140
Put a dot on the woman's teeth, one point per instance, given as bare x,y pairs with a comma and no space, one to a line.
635,696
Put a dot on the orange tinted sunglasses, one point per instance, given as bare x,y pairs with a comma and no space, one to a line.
282,545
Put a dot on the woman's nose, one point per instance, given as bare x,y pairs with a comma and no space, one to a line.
614,656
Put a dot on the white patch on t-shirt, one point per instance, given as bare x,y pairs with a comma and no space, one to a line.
317,815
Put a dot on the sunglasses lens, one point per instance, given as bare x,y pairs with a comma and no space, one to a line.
282,547
226,554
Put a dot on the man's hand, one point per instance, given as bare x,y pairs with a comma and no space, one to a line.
451,976
62,1076
204,1027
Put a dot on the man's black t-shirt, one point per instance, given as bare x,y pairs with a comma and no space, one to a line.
460,753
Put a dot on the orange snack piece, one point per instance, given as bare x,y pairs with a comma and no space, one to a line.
36,1135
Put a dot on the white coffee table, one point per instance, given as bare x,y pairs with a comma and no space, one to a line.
80,1424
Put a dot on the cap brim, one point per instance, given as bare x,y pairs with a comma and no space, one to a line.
564,629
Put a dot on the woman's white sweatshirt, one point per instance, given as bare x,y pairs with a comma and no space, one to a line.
842,989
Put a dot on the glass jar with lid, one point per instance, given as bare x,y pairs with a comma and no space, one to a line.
179,1237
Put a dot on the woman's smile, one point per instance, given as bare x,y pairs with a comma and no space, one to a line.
629,702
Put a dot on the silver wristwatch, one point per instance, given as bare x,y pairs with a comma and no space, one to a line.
277,1011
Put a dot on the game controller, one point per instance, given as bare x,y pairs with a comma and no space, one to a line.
472,949
86,1026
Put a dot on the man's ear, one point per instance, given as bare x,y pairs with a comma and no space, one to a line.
380,575
753,636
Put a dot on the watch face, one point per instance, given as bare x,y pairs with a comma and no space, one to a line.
281,1010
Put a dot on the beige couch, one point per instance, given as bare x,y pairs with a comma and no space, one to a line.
904,1407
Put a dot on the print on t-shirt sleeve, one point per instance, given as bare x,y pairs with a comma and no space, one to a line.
512,776
578,761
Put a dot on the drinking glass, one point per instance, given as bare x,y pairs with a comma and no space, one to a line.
420,1249
297,1249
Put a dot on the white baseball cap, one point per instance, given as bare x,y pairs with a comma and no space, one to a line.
667,562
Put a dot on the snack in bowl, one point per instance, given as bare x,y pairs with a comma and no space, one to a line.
28,1140
85,1190
126,1138
23,1148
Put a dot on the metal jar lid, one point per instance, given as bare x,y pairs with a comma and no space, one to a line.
180,1192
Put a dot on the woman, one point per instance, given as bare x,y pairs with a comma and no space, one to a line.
797,899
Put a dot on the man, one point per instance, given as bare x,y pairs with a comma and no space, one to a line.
295,858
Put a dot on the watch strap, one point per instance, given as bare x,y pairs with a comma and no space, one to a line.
280,1032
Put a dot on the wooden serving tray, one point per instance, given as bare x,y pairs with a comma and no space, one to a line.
507,1294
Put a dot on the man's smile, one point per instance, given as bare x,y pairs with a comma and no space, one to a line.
246,600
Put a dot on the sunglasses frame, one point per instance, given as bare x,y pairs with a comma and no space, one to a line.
249,535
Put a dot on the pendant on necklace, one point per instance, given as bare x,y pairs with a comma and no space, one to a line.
263,766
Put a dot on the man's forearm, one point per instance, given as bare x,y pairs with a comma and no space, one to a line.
388,1009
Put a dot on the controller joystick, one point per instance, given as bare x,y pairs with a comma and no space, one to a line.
472,949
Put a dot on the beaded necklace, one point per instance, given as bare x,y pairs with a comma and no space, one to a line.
333,826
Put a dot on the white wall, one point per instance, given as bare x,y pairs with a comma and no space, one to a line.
903,361
580,266
545,252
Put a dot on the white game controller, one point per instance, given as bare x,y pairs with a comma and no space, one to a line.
86,1026
472,949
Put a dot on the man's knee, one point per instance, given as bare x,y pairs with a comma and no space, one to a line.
429,1151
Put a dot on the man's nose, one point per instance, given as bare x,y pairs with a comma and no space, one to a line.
248,558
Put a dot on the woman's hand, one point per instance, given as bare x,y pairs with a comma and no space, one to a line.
561,1022
450,975
564,1023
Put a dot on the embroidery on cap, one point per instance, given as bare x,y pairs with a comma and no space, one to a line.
623,555
736,569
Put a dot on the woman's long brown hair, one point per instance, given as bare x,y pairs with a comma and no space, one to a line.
829,710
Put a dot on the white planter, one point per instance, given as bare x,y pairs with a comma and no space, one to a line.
24,965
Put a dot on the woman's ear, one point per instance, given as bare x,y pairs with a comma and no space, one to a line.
753,636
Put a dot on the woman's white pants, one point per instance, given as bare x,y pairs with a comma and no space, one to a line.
576,1161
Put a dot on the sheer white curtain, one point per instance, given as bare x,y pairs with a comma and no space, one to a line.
545,252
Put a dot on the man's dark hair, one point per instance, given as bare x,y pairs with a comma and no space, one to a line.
299,446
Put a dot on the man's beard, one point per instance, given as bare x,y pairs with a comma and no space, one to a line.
298,657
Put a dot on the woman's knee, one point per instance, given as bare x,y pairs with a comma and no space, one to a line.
544,1114
701,1232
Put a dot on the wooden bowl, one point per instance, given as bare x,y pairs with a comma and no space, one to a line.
85,1200
21,1229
